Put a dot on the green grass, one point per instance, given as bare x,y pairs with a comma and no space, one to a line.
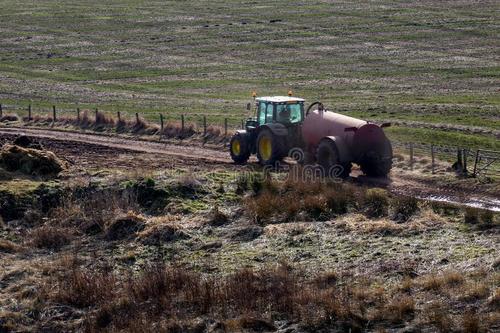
434,62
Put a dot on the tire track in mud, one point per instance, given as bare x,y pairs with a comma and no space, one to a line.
400,184
142,146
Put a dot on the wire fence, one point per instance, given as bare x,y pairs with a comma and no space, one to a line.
463,160
200,122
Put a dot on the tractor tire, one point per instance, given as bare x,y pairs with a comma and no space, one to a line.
376,167
328,158
378,163
239,148
269,148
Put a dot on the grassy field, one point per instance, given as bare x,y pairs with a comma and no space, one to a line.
426,64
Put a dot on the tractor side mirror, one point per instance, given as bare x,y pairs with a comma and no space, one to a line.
249,106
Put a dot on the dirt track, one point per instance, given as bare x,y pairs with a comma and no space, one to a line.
137,145
87,150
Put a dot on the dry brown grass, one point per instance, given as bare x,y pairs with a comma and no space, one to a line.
7,246
179,293
494,301
102,119
293,199
376,202
217,217
168,298
437,315
448,279
398,309
31,161
9,117
83,288
124,226
473,291
471,323
404,207
158,231
50,237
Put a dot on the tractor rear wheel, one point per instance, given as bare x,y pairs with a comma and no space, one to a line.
239,148
376,167
329,159
269,148
378,163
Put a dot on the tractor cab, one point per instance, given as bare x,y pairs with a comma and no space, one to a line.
269,135
280,109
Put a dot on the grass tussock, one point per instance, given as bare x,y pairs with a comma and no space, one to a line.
448,279
83,288
30,161
404,208
50,237
7,246
124,226
9,117
162,230
291,200
376,202
102,119
217,217
481,218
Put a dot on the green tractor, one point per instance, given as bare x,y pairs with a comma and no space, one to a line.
275,130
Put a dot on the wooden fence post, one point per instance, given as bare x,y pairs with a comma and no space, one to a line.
1,111
204,125
161,123
225,126
432,159
78,114
182,123
465,152
411,156
136,118
459,158
242,124
29,112
476,163
96,114
53,113
119,116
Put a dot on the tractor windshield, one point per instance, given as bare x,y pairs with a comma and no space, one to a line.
289,113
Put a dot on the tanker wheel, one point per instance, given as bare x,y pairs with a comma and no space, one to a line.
328,158
269,148
376,167
238,147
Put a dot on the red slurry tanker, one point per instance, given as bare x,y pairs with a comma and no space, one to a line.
282,126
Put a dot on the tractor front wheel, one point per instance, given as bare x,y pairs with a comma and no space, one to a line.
239,149
269,148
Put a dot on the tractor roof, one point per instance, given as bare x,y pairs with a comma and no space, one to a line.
279,99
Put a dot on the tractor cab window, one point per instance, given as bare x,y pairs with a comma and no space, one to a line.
269,113
265,113
289,113
262,113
